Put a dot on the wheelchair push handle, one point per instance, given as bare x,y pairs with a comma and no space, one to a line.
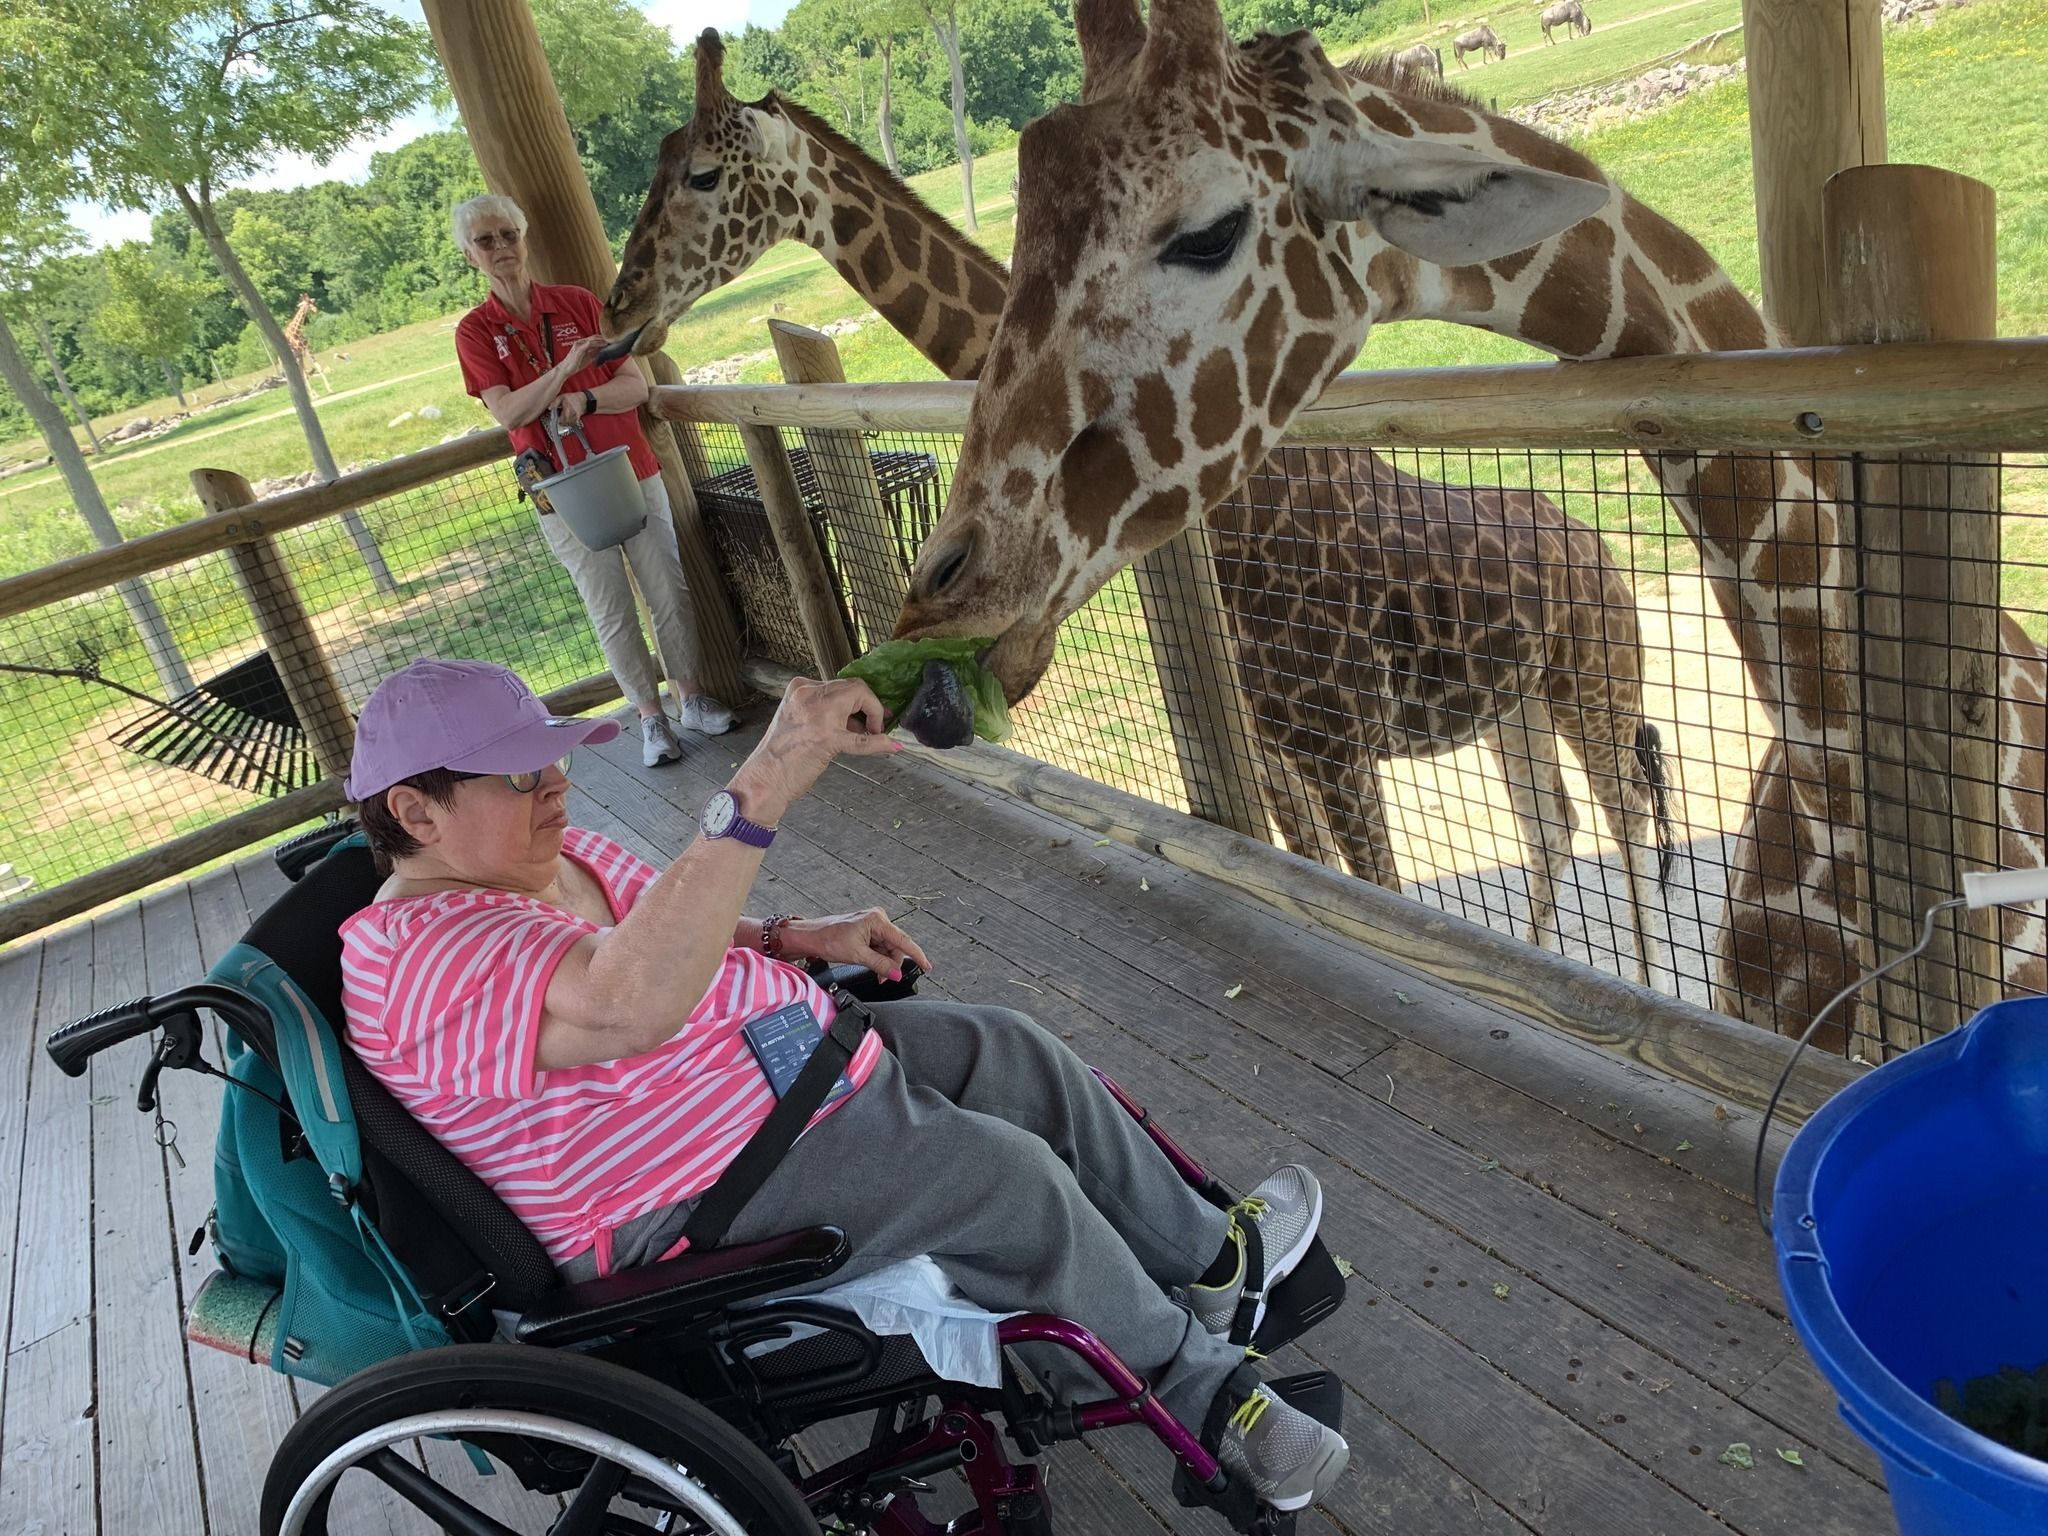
72,1045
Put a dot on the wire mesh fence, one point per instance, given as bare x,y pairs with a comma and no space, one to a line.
1506,685
102,757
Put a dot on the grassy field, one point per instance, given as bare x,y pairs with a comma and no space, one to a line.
1626,39
68,801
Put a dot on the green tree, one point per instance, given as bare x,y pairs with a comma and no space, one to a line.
148,307
37,173
759,61
620,98
1013,50
188,94
600,53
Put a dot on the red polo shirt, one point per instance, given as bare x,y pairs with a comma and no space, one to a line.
496,347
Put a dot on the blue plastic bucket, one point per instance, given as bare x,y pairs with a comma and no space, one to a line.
1912,1233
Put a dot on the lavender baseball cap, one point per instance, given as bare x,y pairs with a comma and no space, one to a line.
471,716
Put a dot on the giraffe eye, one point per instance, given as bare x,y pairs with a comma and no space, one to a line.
1207,248
705,181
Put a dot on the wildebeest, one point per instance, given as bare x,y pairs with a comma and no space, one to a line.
1481,40
1422,59
1565,13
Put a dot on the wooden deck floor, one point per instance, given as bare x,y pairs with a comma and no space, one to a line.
1563,1314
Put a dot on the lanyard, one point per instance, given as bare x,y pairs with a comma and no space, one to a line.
547,343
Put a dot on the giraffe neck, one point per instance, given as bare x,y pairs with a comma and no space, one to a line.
939,289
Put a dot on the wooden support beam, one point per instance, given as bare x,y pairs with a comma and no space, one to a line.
286,629
521,137
858,513
1816,106
1913,257
274,514
1978,394
1194,653
810,579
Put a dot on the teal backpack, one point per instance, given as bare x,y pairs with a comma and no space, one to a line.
307,1282
288,1220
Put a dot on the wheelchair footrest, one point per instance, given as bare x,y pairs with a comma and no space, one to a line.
1319,1394
1313,1291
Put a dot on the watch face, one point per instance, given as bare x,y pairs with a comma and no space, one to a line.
719,812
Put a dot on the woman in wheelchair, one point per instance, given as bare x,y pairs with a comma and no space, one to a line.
595,1038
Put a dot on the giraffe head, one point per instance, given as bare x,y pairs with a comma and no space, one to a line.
723,192
1194,261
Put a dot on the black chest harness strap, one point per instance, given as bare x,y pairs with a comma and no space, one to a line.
721,1204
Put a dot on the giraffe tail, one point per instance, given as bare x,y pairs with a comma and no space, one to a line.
1650,753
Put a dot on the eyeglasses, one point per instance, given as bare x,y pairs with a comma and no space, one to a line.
490,242
523,783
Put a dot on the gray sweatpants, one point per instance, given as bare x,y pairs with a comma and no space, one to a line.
600,579
982,1140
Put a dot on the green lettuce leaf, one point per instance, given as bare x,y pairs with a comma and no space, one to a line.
895,668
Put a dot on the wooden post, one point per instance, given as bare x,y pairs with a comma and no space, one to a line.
810,580
856,510
286,630
1816,106
1912,257
522,142
1192,650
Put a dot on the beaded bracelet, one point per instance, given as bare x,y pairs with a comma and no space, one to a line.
769,927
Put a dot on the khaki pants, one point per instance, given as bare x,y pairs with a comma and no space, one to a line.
600,578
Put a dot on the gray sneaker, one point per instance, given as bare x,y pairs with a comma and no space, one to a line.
658,742
1287,1208
703,714
1286,1458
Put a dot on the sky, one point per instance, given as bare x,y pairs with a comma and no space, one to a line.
683,18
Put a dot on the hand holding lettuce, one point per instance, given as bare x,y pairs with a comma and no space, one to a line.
937,690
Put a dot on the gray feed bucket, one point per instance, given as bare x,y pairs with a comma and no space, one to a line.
598,496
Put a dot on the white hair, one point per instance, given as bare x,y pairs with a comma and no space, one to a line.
491,205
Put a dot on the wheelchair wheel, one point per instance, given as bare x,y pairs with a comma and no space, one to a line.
625,1453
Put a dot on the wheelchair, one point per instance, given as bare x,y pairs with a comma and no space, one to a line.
666,1398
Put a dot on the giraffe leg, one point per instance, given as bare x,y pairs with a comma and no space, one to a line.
1287,768
1624,769
1292,804
1349,792
1526,742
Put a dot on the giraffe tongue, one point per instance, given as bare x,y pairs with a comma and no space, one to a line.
940,713
619,348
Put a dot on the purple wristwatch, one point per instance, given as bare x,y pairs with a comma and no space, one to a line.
722,818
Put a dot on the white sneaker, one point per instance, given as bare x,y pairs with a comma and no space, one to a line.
703,714
658,742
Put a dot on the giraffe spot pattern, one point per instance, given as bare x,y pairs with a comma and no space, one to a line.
1567,313
1217,403
1096,478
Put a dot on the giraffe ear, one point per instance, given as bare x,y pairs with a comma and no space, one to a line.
1111,34
770,135
1445,204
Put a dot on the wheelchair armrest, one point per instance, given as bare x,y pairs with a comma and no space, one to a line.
676,1290
864,984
